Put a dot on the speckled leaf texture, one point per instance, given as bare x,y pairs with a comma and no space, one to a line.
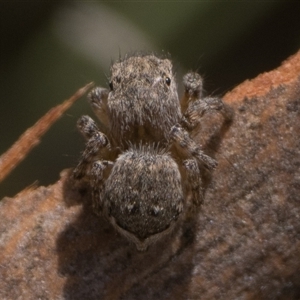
244,243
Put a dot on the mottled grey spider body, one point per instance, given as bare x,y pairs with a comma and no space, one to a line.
141,163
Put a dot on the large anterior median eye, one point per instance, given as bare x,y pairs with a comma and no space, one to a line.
168,80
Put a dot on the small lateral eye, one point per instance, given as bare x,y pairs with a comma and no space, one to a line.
111,86
168,80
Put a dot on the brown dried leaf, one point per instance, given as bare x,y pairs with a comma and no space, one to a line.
244,243
31,137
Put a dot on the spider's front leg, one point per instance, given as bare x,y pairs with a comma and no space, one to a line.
98,101
90,167
194,106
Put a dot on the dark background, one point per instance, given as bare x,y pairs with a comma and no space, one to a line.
50,49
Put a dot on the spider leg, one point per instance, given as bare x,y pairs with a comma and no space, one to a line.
87,127
188,148
90,166
193,84
194,106
198,108
96,144
98,101
98,173
193,181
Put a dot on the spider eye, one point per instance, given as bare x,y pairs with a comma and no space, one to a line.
168,81
111,86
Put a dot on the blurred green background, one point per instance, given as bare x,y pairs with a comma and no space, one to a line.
50,49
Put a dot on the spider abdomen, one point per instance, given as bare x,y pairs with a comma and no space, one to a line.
143,195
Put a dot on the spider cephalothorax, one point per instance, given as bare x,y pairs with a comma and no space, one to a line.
141,162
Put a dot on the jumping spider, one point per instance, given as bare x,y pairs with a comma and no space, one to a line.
141,163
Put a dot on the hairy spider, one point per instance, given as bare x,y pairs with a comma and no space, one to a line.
141,162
